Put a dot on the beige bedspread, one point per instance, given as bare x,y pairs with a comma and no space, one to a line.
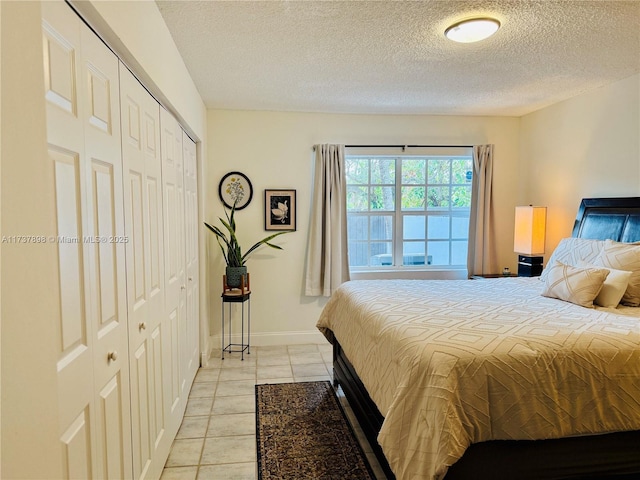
454,362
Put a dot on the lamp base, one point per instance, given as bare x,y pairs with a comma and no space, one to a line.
529,266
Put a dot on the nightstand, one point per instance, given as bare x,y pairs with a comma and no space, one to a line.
529,266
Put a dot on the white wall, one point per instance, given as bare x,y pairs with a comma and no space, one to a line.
587,146
29,390
274,149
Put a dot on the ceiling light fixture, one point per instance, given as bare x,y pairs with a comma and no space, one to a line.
472,30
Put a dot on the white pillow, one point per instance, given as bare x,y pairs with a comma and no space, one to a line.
574,284
623,256
572,250
613,288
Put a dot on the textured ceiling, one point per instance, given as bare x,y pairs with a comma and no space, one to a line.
392,56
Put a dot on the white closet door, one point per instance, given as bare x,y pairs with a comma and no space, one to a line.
145,275
83,131
65,136
173,204
107,253
191,253
127,324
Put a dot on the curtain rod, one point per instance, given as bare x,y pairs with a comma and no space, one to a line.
404,147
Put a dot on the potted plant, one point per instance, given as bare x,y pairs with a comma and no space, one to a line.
231,249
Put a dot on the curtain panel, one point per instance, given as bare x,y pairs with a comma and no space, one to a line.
481,258
327,265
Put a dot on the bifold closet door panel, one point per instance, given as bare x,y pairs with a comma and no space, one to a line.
106,245
83,133
175,288
145,275
191,255
65,137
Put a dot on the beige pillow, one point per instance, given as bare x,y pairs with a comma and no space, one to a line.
572,250
623,256
574,284
613,288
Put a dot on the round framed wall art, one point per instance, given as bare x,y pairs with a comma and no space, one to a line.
235,188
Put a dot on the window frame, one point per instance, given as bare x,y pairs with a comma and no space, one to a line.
398,214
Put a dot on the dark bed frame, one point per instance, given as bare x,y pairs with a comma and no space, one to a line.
608,456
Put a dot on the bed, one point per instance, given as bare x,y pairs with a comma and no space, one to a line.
469,379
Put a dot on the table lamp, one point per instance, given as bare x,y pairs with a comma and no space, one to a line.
528,239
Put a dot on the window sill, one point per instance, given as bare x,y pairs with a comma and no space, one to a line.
413,274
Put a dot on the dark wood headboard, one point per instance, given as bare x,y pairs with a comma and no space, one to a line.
615,218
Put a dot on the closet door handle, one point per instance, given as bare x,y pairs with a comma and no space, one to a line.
112,356
142,326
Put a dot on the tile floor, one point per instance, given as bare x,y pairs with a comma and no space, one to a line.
217,439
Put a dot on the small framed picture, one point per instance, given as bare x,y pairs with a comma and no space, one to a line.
279,209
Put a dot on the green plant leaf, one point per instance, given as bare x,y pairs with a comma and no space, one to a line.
264,241
228,240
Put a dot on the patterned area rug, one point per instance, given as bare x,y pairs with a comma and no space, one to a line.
302,433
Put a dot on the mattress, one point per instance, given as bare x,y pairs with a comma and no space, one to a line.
450,363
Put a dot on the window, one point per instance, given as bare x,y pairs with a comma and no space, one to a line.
409,211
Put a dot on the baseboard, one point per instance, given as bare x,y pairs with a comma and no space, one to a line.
204,358
205,350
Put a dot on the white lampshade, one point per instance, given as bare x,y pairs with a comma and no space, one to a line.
472,30
529,234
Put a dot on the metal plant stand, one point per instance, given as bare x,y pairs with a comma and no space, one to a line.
230,296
